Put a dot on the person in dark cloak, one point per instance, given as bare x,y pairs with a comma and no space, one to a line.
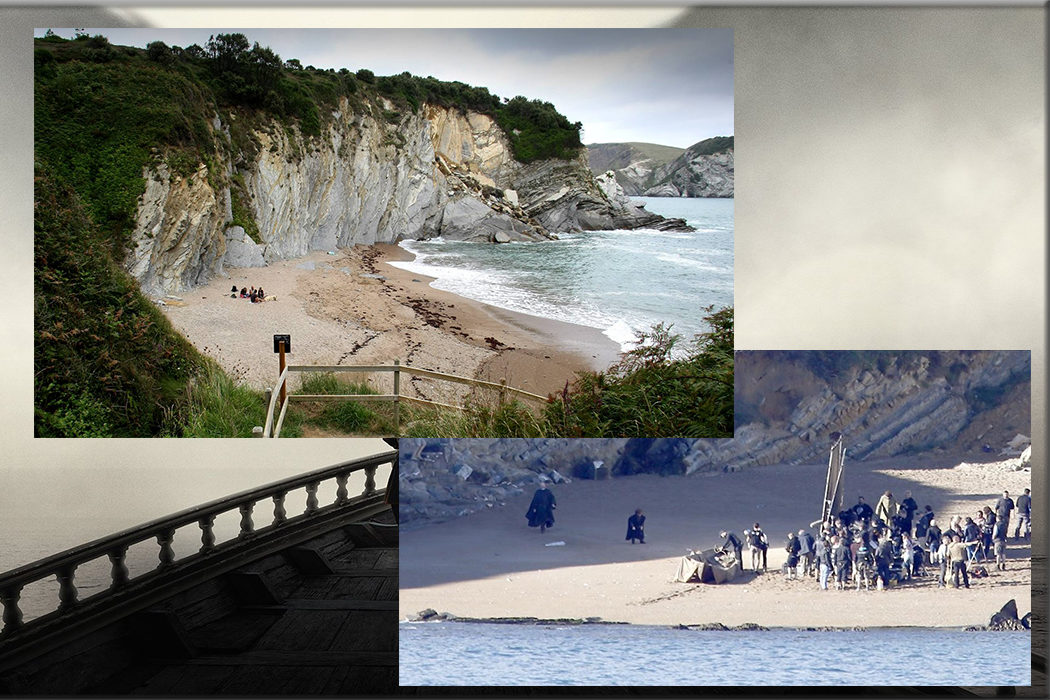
907,510
635,523
923,524
541,510
863,511
391,483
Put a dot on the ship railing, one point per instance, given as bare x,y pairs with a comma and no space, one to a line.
281,398
63,566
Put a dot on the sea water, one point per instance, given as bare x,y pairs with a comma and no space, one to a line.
482,654
622,282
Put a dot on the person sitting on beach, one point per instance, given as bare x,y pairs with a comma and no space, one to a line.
541,509
234,289
635,523
1024,516
792,548
758,544
732,541
244,292
886,508
260,293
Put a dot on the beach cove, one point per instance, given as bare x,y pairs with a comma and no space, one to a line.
490,565
351,307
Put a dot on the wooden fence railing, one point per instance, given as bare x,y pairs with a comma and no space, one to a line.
280,398
63,565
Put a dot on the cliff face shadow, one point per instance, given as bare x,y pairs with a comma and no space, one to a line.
683,513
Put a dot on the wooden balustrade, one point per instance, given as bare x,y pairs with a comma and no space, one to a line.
63,566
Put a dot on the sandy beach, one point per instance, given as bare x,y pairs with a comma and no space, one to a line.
491,564
352,307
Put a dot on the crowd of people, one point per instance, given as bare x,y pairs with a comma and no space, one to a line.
255,295
894,542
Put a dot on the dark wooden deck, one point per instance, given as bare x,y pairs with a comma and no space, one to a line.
303,605
317,618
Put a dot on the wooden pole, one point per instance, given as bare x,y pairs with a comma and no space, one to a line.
397,398
280,371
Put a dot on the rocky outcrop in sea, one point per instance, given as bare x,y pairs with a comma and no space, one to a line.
370,178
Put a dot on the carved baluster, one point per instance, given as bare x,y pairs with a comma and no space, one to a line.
341,494
12,613
370,480
280,515
207,525
67,590
311,497
247,526
167,554
118,572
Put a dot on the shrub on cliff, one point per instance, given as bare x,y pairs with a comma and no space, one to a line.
651,393
106,361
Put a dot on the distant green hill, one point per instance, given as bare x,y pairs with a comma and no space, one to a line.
616,156
648,168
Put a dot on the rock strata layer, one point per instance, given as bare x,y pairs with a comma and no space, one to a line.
959,402
365,180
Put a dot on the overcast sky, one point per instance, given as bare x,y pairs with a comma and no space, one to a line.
668,86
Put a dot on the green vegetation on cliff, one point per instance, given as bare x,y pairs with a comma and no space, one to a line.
107,362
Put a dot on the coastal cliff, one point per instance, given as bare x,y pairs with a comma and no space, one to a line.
367,180
970,404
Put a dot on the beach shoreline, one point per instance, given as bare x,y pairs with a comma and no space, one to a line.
351,307
490,565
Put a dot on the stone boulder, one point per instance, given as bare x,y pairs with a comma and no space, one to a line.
241,250
1006,618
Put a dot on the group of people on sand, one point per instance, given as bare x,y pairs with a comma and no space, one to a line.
255,295
893,542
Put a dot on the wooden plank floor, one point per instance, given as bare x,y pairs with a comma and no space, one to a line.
330,633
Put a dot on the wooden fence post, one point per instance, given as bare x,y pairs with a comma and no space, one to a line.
397,398
280,371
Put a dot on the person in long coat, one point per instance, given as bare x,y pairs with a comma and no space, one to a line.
541,510
635,523
886,508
